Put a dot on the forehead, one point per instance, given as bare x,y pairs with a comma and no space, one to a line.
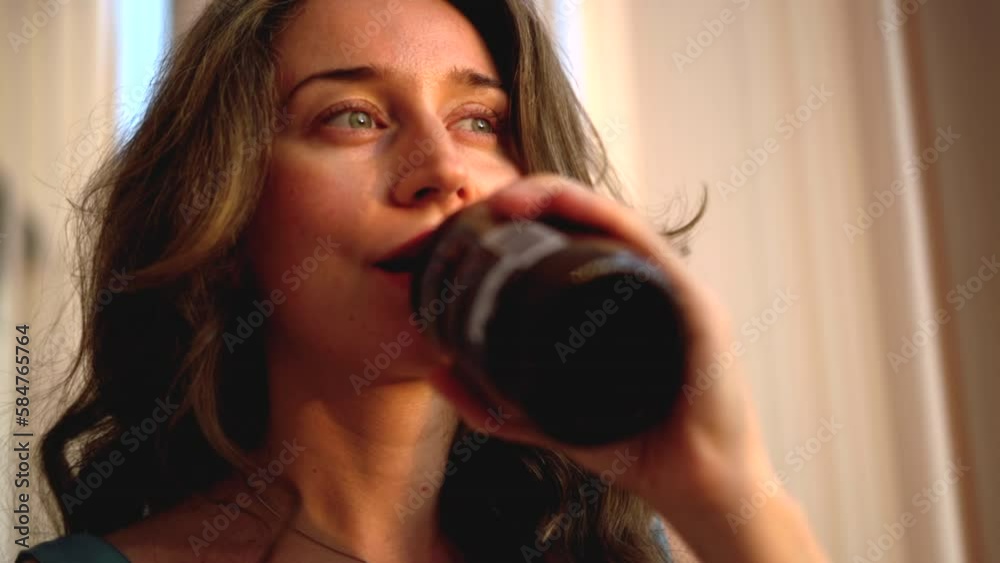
420,39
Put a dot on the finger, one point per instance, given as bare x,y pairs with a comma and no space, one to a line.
545,197
550,198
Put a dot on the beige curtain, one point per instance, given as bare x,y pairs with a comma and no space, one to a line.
826,168
55,110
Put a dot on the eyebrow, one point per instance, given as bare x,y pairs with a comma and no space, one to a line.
366,73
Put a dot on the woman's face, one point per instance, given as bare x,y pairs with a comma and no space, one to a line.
396,125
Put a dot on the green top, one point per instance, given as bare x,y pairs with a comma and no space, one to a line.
74,548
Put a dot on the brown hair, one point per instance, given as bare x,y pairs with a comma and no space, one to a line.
169,205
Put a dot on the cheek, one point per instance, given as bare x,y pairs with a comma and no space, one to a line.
505,175
499,170
307,219
304,244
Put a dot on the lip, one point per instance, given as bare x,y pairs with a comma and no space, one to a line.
403,257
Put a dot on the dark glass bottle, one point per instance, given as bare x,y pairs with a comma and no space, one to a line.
576,329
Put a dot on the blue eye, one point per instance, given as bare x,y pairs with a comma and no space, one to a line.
352,119
479,125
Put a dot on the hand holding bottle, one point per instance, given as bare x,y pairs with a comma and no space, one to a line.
696,466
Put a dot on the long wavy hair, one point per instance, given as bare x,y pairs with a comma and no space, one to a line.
166,210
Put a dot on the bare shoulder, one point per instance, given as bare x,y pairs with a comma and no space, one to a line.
679,551
191,531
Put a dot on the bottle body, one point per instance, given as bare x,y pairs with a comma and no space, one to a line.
576,330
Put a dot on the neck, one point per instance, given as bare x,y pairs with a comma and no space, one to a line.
368,469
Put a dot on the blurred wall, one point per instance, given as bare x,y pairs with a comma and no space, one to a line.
56,112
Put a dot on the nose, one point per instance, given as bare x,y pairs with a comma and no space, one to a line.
430,170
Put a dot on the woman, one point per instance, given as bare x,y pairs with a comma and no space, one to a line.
290,146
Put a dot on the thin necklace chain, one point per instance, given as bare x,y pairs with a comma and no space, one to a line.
312,538
309,537
317,542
